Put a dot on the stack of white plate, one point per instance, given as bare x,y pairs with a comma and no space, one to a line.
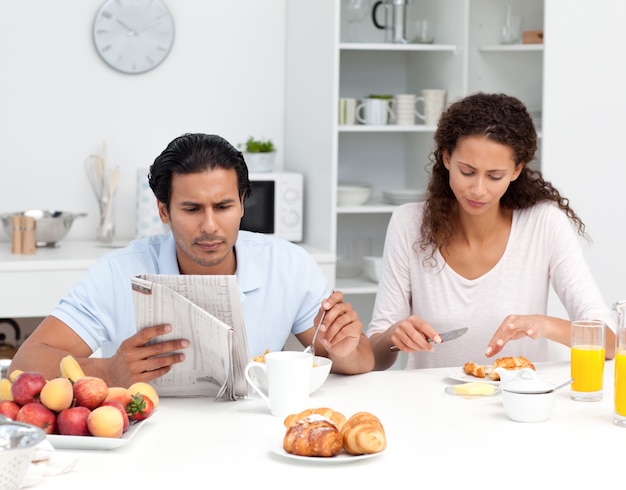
403,196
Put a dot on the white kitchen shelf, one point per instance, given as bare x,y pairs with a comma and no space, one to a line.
389,128
467,58
511,47
396,47
373,208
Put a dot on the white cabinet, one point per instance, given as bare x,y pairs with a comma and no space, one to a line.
324,64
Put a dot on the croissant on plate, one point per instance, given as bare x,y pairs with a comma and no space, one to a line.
363,433
510,363
313,435
335,417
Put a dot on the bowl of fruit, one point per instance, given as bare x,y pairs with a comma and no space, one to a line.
76,411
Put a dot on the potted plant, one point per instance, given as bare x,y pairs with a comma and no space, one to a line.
259,154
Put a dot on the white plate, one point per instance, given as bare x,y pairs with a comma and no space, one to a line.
90,442
342,457
403,196
450,391
459,375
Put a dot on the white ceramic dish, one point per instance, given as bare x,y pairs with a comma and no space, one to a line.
353,195
459,375
403,196
449,390
90,442
341,458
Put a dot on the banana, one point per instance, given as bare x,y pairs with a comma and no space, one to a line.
5,389
70,369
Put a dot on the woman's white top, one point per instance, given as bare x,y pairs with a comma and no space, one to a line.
543,250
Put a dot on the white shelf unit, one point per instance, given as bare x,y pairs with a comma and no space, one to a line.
322,67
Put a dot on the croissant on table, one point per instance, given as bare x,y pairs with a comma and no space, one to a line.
313,435
335,417
363,433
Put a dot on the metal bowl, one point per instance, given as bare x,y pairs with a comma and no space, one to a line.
17,447
50,226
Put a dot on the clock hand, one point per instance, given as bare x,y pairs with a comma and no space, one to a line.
131,32
150,26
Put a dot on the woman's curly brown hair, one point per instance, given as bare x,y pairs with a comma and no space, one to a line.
501,118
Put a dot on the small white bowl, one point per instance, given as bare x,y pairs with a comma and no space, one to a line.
372,267
321,370
528,407
526,397
353,195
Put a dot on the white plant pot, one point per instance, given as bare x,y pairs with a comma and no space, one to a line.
260,162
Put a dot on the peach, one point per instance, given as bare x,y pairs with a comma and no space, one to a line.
118,393
146,390
57,394
121,408
105,421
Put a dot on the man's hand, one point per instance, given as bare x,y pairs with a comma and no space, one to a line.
135,360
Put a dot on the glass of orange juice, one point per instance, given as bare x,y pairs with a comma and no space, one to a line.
587,360
619,413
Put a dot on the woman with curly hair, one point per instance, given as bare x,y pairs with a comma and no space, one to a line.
483,250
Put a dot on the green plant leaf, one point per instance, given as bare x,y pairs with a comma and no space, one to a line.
258,145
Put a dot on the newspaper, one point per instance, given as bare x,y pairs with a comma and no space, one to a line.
207,311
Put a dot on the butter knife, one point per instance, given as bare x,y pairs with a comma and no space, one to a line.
445,337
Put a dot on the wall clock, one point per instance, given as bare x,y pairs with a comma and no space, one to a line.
133,36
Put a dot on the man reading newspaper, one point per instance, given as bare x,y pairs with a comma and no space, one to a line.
200,182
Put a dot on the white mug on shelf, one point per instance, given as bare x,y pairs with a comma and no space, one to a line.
374,112
404,109
434,102
347,109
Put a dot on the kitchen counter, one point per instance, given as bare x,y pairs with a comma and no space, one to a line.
31,285
434,440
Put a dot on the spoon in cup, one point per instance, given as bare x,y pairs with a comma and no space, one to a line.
311,348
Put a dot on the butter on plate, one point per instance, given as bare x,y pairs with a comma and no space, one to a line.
474,388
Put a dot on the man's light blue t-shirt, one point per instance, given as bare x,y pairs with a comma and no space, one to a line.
281,288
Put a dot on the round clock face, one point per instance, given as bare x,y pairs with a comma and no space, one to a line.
133,36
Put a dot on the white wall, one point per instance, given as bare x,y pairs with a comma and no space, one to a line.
59,101
584,128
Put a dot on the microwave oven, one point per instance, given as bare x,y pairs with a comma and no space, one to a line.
275,206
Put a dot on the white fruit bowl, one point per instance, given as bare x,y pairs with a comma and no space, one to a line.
353,195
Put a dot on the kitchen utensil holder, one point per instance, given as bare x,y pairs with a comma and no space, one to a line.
106,228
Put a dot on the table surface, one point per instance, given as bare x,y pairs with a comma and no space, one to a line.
433,438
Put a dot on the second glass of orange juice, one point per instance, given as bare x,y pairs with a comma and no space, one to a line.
587,360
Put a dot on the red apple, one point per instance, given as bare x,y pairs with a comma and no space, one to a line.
36,414
73,421
90,391
9,409
121,408
26,387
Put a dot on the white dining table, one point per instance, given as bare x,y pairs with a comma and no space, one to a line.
434,440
